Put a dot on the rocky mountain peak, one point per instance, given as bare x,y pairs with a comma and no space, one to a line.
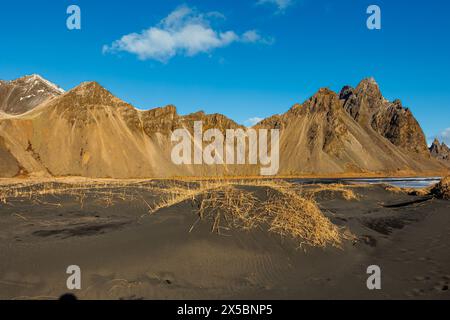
24,94
90,88
369,89
215,120
392,120
35,80
323,101
91,93
440,150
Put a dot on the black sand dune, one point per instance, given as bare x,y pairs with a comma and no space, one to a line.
126,253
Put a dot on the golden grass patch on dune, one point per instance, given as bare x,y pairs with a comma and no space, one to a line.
336,188
440,190
301,219
409,191
230,205
283,210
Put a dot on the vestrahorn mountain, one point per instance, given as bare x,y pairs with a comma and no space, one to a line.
89,132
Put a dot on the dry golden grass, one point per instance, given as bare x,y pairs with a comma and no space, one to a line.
301,219
346,191
284,211
409,191
230,205
105,193
394,189
174,193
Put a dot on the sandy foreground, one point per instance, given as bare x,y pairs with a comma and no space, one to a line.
151,240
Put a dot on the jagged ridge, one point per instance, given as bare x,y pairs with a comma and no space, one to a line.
440,151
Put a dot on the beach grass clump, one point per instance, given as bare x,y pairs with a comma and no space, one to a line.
336,188
409,191
300,218
283,211
229,207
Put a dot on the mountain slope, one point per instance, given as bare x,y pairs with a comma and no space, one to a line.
321,137
24,94
9,166
92,133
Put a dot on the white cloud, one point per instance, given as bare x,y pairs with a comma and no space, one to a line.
253,121
183,32
253,36
281,4
445,136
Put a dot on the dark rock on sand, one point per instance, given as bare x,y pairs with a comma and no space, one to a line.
442,189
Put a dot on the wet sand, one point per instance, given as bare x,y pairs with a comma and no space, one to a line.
126,253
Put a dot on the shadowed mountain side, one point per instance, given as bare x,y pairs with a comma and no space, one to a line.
372,111
24,94
89,132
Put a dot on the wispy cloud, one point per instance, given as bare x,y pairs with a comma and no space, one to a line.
253,36
444,136
252,121
186,32
282,5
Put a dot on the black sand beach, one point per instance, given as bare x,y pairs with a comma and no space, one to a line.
128,249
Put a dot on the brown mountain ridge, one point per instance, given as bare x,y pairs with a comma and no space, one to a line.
89,132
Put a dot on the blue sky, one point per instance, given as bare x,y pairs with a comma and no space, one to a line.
252,58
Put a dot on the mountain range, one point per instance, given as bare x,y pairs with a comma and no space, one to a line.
89,132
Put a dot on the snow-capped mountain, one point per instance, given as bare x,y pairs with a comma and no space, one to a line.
24,94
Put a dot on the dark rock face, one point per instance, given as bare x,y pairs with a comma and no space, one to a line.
440,151
326,109
399,126
396,123
26,93
209,121
442,189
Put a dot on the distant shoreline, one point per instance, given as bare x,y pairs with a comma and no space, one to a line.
75,179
